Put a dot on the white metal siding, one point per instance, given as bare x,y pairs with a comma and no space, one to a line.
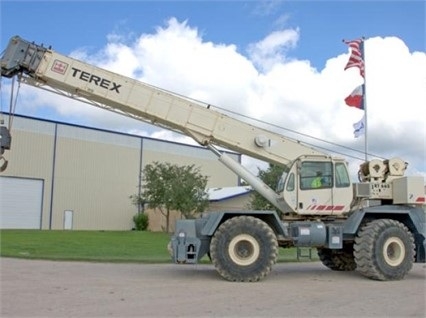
20,203
91,172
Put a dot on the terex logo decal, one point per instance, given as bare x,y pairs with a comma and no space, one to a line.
59,67
98,81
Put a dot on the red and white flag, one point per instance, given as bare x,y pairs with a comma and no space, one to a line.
356,98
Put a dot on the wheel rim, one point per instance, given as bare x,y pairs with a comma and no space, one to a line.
243,249
394,251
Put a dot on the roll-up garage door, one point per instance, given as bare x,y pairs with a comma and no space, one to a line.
20,203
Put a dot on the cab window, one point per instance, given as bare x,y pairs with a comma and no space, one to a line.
281,182
342,176
316,175
290,183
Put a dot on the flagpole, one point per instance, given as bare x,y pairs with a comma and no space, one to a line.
365,101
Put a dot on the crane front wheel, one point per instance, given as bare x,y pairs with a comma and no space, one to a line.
244,249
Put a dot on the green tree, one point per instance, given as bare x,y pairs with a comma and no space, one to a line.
170,187
270,176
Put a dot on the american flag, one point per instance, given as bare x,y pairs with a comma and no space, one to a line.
356,59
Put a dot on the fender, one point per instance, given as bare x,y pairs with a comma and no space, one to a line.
217,218
413,217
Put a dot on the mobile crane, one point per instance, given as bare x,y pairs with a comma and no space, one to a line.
375,226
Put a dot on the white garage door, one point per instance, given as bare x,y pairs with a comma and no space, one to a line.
20,203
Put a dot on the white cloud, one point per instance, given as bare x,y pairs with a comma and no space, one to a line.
271,50
164,135
267,86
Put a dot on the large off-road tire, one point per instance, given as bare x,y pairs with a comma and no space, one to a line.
338,260
243,249
384,250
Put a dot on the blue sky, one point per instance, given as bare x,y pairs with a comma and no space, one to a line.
68,25
286,56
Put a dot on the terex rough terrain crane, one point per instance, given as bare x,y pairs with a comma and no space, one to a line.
375,226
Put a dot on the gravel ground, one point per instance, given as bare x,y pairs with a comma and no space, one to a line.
31,288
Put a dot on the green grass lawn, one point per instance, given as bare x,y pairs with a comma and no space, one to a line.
99,246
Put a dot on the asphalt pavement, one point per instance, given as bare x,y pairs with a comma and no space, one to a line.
34,288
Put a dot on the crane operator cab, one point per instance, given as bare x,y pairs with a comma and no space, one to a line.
317,185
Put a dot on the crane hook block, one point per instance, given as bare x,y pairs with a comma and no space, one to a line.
5,141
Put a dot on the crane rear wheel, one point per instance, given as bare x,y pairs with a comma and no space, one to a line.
384,250
338,259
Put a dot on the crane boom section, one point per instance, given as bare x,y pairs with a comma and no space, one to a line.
45,67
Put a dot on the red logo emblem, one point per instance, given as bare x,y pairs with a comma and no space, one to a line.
59,67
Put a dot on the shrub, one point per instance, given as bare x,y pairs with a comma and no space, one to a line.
141,221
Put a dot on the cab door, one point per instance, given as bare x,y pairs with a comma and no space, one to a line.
317,185
315,192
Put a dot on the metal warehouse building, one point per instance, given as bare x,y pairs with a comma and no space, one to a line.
63,176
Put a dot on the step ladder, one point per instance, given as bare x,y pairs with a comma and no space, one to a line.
304,252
